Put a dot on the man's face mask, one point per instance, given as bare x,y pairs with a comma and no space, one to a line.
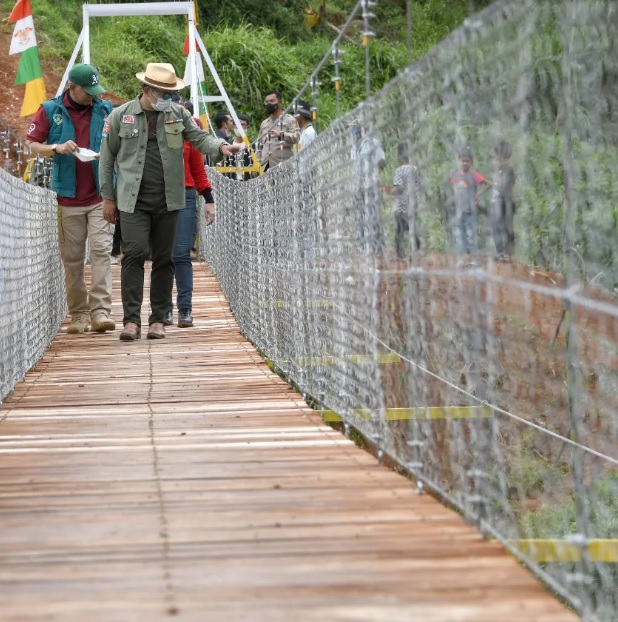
161,104
270,107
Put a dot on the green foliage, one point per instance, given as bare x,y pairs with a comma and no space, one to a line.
528,474
559,520
57,28
283,17
255,45
250,58
251,61
136,42
432,20
550,521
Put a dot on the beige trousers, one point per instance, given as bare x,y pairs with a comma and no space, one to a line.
75,224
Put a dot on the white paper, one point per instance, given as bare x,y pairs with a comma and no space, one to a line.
86,155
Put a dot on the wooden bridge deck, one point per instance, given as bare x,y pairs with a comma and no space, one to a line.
181,479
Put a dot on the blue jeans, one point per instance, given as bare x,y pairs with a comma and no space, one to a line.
185,232
465,233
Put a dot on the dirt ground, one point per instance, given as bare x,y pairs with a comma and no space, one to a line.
519,347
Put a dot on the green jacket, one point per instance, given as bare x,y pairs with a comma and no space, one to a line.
123,150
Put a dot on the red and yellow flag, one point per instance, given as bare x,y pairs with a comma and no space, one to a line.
29,71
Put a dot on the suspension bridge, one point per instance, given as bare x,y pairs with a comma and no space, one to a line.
190,479
344,434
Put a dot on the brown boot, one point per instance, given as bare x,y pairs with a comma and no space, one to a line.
131,332
156,331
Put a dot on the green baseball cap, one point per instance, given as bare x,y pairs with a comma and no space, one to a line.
87,77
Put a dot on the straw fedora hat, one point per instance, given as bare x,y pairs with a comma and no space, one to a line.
161,76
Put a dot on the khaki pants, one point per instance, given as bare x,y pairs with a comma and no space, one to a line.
75,224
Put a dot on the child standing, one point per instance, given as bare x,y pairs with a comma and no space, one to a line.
405,189
466,184
502,205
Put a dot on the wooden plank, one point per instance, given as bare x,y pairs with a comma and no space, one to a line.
183,478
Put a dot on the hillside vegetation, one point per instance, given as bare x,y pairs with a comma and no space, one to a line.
255,45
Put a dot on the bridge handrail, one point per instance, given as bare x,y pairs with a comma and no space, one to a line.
491,382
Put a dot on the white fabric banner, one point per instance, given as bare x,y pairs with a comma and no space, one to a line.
23,36
188,77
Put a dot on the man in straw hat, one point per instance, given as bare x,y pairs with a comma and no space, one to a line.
143,145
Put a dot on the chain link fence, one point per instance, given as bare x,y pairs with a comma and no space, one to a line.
32,295
464,320
470,335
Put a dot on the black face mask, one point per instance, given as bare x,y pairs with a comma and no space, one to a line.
75,104
270,108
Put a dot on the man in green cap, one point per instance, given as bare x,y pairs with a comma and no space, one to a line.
68,129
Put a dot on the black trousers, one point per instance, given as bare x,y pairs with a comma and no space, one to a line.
117,240
147,233
402,229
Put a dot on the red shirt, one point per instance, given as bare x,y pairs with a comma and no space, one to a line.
195,173
86,188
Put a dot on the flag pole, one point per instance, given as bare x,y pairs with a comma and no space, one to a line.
193,61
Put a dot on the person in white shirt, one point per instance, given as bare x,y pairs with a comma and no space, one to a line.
405,189
368,161
304,118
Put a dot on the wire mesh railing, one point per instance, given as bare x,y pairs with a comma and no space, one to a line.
470,335
32,299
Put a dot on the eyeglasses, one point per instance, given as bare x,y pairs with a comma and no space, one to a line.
163,94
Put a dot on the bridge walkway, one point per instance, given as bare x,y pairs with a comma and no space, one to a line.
182,479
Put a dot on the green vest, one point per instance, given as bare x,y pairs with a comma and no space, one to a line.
60,130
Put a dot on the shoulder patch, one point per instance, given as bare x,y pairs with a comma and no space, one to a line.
31,128
105,128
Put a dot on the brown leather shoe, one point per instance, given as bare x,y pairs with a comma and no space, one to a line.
131,332
156,331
